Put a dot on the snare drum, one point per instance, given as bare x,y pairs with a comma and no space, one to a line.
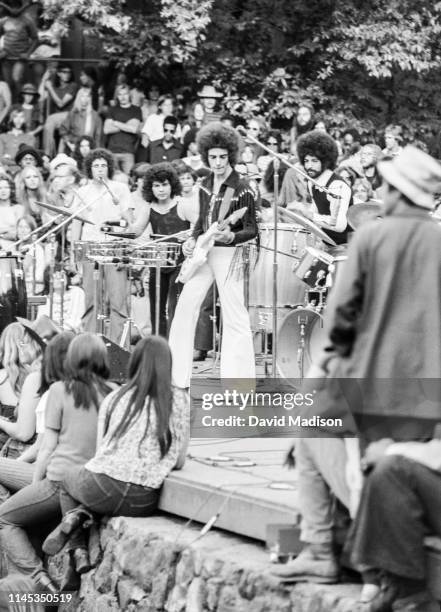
109,252
13,298
300,339
161,254
291,292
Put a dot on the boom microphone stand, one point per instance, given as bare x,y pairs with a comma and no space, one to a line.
276,165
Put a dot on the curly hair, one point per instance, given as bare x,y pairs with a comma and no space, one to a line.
216,135
99,154
320,145
160,173
11,183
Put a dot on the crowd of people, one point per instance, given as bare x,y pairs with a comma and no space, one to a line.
137,167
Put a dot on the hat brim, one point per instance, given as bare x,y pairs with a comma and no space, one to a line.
32,152
30,93
201,94
391,174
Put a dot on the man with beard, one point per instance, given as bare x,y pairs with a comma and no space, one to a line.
369,156
318,154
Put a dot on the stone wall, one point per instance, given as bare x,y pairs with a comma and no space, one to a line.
156,564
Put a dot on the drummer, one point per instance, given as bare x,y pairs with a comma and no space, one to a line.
108,201
318,153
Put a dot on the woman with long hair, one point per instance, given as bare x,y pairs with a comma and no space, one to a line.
10,212
20,356
143,433
85,144
69,440
30,189
82,120
18,473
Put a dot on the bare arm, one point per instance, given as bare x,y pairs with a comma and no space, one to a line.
60,102
6,93
31,453
24,428
110,127
131,126
50,442
141,222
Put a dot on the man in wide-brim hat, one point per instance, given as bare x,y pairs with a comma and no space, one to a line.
208,96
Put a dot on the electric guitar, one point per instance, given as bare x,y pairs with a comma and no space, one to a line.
204,244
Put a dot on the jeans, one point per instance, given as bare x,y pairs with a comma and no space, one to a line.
104,495
168,298
321,464
400,504
14,475
30,507
124,161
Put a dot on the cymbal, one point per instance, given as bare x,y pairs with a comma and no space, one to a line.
307,224
66,212
358,214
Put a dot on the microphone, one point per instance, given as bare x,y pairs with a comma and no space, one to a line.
241,130
112,195
276,164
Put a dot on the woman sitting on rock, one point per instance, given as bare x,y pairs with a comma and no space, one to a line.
71,418
143,432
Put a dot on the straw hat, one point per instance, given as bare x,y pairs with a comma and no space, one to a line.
42,329
415,174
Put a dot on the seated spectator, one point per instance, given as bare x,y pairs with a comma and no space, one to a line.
121,128
16,135
190,190
143,433
369,156
5,103
69,440
28,156
18,473
85,144
361,191
20,355
82,120
32,109
35,258
191,155
10,212
153,128
393,138
61,92
30,190
273,141
167,148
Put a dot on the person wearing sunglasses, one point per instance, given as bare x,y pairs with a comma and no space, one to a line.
167,148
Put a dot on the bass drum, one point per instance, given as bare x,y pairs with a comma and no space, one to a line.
300,339
13,298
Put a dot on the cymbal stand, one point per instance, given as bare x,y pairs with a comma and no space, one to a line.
301,349
33,254
51,272
98,297
129,322
276,165
157,294
62,291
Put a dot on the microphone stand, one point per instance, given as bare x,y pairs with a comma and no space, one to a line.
276,165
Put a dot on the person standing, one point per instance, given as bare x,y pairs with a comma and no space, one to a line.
221,193
108,201
167,148
122,127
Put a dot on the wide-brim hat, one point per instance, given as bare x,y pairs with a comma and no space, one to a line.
25,149
29,88
41,330
62,159
415,174
208,91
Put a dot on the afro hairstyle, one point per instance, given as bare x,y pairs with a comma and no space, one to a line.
320,145
99,154
216,135
160,173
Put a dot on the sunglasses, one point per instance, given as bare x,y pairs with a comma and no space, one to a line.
170,130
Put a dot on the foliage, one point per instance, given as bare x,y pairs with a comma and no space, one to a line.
356,61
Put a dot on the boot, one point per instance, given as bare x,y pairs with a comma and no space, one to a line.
81,560
60,535
316,563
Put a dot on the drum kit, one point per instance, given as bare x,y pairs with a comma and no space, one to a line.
308,262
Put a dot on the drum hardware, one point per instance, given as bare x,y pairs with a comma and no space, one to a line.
129,322
52,250
65,212
276,166
301,350
307,224
13,295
